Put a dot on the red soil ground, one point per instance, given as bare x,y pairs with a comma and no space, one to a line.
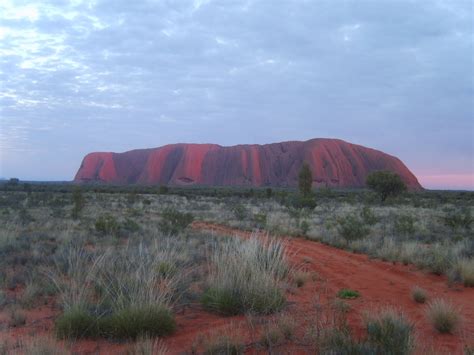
380,284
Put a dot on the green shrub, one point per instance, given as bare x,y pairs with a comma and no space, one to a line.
443,315
163,190
458,219
240,212
346,293
404,225
107,225
135,322
78,202
386,184
351,228
130,225
390,332
173,222
305,180
76,323
368,216
224,301
260,220
304,227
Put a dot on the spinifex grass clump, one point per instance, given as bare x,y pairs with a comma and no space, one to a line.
418,294
390,332
246,276
444,316
120,294
463,271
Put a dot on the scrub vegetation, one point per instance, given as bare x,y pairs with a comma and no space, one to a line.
123,263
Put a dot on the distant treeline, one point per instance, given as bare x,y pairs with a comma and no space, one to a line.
279,193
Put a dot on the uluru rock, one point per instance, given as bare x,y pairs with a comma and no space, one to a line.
334,163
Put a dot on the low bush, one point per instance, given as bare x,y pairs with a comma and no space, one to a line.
304,227
174,222
130,225
390,332
107,225
368,216
352,227
404,225
240,212
443,315
458,219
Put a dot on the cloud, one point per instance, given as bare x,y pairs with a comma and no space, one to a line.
396,75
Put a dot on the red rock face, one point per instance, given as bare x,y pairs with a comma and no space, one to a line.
334,163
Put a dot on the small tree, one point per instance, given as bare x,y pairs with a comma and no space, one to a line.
385,183
305,180
78,201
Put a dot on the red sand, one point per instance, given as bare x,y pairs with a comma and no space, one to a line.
380,284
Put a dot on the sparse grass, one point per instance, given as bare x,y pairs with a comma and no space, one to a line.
349,294
278,331
245,276
390,332
443,315
148,346
300,277
463,271
433,232
418,294
223,343
41,346
174,222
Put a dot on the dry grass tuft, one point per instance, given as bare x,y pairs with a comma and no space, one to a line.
444,316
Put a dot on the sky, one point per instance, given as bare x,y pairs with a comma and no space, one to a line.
90,75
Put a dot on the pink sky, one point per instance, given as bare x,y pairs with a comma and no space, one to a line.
450,181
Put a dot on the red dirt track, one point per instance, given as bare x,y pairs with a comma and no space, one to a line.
380,284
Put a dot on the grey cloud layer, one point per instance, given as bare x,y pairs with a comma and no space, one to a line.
79,76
